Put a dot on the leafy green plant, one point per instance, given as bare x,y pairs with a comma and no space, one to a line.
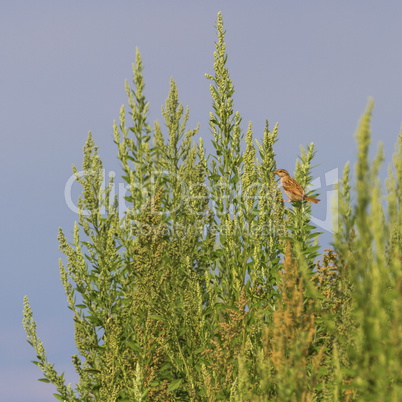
202,285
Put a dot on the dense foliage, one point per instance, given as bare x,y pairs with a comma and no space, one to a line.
206,287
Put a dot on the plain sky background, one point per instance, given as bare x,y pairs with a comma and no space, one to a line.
309,65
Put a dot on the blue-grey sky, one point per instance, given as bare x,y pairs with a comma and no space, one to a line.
311,66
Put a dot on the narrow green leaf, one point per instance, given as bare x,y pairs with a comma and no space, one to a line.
44,380
174,385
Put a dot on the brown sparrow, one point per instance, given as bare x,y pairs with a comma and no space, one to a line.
292,188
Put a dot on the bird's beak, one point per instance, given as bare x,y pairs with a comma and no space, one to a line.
276,172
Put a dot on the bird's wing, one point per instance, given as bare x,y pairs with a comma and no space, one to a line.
293,186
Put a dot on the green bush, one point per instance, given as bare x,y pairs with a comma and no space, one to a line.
207,288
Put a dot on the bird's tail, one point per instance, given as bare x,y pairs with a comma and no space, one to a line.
315,200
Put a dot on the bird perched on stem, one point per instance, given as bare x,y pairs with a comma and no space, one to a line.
292,188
